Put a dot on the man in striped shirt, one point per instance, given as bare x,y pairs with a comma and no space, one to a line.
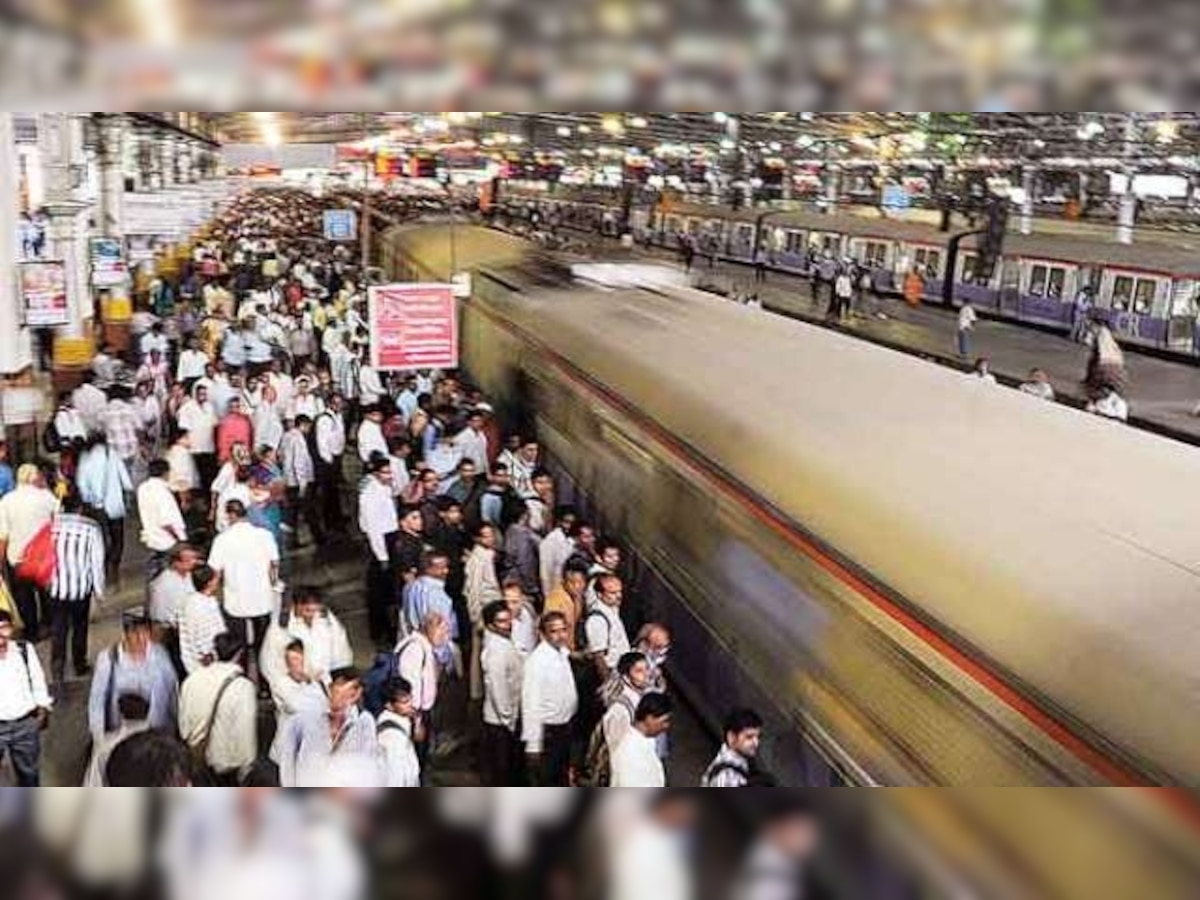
78,582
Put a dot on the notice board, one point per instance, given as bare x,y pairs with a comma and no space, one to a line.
413,326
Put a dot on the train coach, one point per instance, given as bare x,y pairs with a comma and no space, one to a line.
1148,292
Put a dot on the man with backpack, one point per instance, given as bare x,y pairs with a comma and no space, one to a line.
24,705
635,762
734,765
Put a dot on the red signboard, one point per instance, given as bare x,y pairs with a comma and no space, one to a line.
413,326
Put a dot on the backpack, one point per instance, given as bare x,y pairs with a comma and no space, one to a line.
597,765
51,439
383,672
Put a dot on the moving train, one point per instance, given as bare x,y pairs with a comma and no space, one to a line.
1149,292
921,579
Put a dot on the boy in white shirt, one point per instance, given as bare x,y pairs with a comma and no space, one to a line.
398,728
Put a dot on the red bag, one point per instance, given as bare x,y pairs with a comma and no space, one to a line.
39,561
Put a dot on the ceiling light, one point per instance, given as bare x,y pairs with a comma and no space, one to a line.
585,129
639,122
720,117
612,125
564,131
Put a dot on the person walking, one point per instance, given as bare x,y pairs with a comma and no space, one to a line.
133,665
549,703
25,511
163,526
103,481
400,730
78,583
247,560
25,705
218,715
337,748
378,521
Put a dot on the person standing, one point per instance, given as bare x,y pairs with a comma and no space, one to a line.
25,705
247,561
218,714
162,520
377,519
338,748
24,511
733,766
607,640
400,730
473,444
482,588
556,548
330,446
103,480
78,583
370,434
967,317
200,621
635,762
199,419
295,456
548,705
311,622
503,679
521,549
524,617
166,595
133,665
567,600
428,595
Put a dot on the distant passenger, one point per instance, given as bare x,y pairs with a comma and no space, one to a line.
734,765
983,371
967,317
1038,385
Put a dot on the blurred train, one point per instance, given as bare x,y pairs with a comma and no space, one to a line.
921,580
1149,292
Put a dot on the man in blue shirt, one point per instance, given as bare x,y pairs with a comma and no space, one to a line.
428,595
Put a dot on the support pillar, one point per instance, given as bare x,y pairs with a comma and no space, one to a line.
1127,214
166,155
15,355
832,187
112,176
1028,181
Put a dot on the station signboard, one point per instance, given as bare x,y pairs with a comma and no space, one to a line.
108,263
413,326
43,288
340,225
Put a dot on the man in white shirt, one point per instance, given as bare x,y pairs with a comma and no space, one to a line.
472,442
503,680
635,762
247,560
331,444
218,714
192,363
24,705
370,388
162,521
68,422
400,729
549,703
335,749
198,418
370,434
295,694
1110,405
200,620
556,548
1038,385
967,317
90,402
310,621
607,640
378,520
24,511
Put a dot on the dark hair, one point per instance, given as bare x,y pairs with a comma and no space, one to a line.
6,618
296,646
397,689
576,566
228,646
345,675
562,512
308,594
175,554
493,611
149,759
428,560
133,707
158,468
741,720
202,576
653,706
549,619
628,661
72,502
235,509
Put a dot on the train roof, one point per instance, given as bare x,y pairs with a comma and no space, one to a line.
1057,543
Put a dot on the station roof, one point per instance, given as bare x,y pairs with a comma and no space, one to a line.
1160,140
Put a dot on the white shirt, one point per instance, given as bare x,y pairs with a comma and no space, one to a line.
967,318
503,681
370,440
1111,407
235,491
200,422
167,594
635,763
400,476
23,512
191,365
244,555
1038,389
295,698
183,476
162,522
606,633
377,516
548,695
331,436
555,550
69,425
401,768
370,388
21,690
326,647
200,621
474,447
233,744
525,630
90,402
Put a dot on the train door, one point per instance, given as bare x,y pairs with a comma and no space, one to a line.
743,240
1183,313
1047,291
1138,305
795,249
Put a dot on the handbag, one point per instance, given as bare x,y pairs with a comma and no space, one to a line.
39,561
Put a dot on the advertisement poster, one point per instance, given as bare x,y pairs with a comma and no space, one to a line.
413,326
43,293
108,263
340,225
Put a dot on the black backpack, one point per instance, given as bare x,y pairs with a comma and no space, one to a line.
51,439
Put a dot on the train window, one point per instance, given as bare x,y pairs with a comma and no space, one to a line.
1122,292
1143,296
970,267
1057,283
874,254
1132,294
928,259
1047,281
795,242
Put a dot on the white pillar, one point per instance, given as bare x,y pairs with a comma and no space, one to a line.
166,151
1027,184
60,139
832,187
112,175
1127,214
14,340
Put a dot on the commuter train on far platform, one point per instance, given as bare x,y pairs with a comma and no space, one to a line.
918,578
1149,292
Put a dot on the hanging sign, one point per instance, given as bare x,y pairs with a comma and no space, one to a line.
108,263
340,225
413,326
44,293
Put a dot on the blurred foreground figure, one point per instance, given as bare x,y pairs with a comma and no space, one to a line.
650,835
775,867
